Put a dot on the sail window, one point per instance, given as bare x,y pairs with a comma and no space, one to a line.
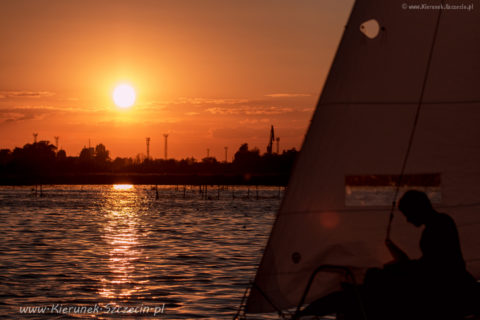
370,28
379,190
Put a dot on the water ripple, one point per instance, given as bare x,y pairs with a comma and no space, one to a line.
110,246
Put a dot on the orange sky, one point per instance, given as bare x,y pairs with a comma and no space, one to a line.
211,73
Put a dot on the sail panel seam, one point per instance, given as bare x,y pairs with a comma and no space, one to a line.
400,103
377,208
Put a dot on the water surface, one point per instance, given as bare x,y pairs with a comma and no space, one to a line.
184,255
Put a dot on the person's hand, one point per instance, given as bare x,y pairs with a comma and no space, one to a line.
397,253
389,243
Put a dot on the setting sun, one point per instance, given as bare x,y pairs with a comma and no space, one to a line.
124,96
116,72
122,187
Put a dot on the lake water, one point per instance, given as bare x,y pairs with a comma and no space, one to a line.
122,253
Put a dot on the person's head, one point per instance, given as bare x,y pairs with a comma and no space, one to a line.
416,207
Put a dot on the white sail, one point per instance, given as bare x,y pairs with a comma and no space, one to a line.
360,133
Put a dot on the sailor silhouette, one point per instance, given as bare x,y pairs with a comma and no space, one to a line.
435,286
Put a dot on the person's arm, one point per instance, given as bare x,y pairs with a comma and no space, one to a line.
397,253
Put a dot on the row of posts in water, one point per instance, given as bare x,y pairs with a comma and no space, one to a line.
215,192
38,191
203,190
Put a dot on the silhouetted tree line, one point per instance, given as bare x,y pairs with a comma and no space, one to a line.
42,158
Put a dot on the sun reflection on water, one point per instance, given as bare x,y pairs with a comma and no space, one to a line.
122,187
122,237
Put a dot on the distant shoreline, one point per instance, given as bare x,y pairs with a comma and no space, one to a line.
144,179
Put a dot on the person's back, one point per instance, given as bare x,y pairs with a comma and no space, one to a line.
439,277
440,245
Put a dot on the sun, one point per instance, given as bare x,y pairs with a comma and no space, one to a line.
124,96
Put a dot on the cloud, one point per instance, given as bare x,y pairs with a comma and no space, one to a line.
20,117
41,107
60,109
28,112
217,106
254,121
250,110
308,109
9,117
207,101
287,95
25,94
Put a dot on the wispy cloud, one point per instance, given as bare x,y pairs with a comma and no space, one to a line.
308,109
39,112
54,108
254,121
208,101
287,95
40,107
25,94
12,115
20,117
250,110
